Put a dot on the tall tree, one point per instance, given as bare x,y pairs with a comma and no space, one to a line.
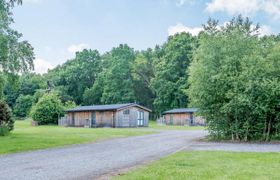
117,85
142,73
234,81
171,76
73,77
15,55
114,84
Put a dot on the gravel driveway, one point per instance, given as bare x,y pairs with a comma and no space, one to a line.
238,147
91,160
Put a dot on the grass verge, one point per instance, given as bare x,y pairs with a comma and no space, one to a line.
210,165
25,137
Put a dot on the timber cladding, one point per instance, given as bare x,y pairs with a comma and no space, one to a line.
128,115
178,119
182,116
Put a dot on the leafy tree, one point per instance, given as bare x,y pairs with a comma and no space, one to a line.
142,73
69,105
23,105
114,84
47,110
11,88
171,66
29,83
73,77
117,79
234,81
15,55
6,121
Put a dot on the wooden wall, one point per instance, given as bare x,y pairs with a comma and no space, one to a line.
108,118
177,119
130,120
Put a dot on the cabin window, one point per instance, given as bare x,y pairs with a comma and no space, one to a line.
126,112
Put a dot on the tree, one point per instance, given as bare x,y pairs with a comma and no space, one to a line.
6,121
73,77
114,84
30,82
234,81
15,55
23,105
47,110
171,75
142,71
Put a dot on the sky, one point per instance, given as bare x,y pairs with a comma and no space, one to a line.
58,28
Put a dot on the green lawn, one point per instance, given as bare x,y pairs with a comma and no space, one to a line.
210,165
26,137
154,125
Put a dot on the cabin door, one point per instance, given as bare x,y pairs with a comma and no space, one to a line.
140,118
93,118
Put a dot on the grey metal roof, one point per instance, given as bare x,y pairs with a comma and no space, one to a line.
180,110
104,107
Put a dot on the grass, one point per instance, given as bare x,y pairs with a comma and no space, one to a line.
26,137
210,165
154,125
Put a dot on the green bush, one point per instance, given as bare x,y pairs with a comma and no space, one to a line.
23,105
6,121
4,131
47,110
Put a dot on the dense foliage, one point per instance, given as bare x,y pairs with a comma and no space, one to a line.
23,105
171,76
234,80
6,121
48,109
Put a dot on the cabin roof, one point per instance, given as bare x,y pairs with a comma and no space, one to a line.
180,110
105,107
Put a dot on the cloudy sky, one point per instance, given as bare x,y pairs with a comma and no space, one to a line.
59,28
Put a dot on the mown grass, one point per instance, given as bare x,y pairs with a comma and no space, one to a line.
154,125
210,165
25,137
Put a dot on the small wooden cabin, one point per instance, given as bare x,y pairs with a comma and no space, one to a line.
113,115
181,117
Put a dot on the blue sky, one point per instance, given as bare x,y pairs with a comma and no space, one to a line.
58,28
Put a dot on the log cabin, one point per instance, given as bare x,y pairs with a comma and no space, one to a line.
113,115
182,116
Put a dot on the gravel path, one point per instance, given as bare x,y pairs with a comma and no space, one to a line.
88,161
238,147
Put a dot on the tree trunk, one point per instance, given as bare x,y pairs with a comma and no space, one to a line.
268,129
264,129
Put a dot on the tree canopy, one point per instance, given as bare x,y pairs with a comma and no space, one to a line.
234,80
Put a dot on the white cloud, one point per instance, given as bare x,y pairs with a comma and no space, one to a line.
270,7
77,47
180,3
41,66
178,28
32,1
263,30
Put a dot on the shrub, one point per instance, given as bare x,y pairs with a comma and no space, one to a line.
23,105
47,110
4,131
6,121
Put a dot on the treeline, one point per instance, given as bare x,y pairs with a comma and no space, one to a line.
155,78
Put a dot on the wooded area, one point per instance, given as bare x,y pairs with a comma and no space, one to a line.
229,72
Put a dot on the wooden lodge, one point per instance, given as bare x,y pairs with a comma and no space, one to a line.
181,117
113,115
